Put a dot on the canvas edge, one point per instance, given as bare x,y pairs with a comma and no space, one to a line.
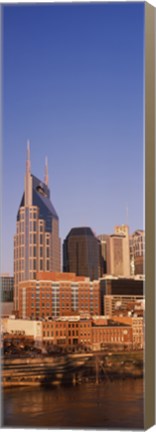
150,81
1,12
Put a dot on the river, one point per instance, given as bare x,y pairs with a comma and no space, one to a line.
117,404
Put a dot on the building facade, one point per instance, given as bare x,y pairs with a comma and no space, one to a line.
137,252
116,286
7,288
58,294
82,253
138,333
104,240
115,252
20,327
36,242
123,305
93,333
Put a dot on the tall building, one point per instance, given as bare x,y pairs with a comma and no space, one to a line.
122,232
82,253
104,240
115,251
137,252
36,242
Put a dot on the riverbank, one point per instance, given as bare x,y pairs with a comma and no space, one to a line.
73,368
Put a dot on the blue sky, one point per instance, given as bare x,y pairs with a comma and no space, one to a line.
73,84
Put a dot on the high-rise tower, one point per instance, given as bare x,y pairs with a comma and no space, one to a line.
82,253
36,242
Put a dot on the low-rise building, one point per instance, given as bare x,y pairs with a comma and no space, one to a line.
68,331
137,325
95,333
20,327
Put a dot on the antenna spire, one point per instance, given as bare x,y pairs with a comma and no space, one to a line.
28,179
46,177
28,163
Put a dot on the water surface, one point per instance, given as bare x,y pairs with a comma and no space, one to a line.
117,404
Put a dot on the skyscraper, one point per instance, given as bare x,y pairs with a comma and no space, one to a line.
82,253
36,242
115,251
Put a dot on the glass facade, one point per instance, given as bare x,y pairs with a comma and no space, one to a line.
7,288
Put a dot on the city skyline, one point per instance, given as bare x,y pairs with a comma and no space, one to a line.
61,91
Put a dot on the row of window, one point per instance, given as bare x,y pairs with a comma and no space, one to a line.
106,338
64,333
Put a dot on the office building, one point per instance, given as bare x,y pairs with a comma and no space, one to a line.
104,240
82,253
116,286
115,252
137,252
36,242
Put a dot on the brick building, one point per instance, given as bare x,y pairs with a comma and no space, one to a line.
68,331
57,294
95,333
137,325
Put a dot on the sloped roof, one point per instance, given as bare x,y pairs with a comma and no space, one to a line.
81,231
41,199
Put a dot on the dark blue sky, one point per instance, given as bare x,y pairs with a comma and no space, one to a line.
73,84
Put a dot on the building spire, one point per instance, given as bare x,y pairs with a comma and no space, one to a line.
46,177
28,163
28,179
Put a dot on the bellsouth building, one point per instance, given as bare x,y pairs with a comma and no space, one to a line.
36,242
